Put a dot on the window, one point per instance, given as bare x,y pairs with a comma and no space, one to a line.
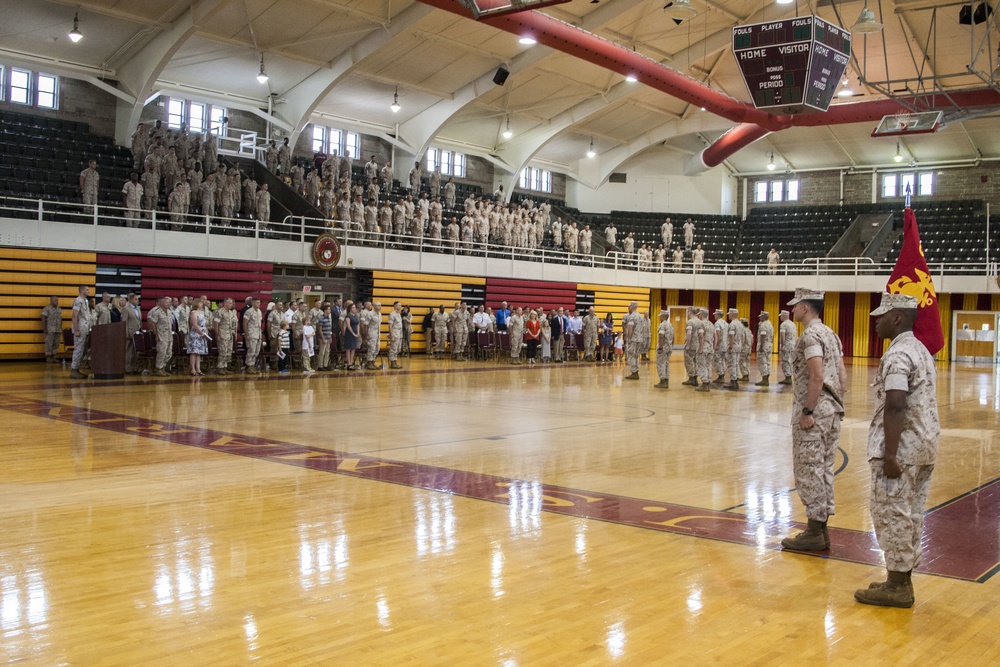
2,87
792,191
20,86
760,192
906,184
319,139
536,179
47,87
352,145
217,121
777,189
926,188
196,116
175,114
452,164
889,185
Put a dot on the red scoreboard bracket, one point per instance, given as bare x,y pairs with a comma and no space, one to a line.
793,65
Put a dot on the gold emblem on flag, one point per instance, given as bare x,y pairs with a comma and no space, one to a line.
922,289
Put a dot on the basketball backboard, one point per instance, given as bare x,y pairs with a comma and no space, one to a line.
918,122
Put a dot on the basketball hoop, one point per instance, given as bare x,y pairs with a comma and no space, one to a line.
909,122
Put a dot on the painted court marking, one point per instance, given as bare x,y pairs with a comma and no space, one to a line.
962,540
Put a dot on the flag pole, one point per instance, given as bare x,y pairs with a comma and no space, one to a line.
908,193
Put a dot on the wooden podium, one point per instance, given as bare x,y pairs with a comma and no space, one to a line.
107,351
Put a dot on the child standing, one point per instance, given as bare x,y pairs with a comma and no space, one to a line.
285,349
308,339
619,349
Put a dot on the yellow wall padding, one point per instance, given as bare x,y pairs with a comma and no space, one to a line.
27,279
944,308
862,323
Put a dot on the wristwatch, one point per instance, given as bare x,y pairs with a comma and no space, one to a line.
807,411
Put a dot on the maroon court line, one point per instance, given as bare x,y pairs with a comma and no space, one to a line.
969,558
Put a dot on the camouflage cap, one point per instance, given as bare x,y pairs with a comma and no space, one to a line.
764,315
806,294
893,301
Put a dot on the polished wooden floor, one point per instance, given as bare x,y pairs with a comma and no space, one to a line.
202,522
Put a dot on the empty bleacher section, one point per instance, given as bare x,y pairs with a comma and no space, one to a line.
797,232
953,232
41,158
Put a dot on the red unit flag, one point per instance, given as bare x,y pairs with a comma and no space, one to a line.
911,276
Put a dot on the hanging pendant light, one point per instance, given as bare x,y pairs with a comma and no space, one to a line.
75,35
395,101
262,76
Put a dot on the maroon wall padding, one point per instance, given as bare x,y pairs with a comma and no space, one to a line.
714,299
530,293
685,297
874,342
756,306
845,328
984,302
175,276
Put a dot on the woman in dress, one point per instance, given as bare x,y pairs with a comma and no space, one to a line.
546,340
352,336
197,337
607,337
532,335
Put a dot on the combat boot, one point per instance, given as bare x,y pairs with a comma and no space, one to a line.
77,375
633,376
896,591
813,538
370,366
745,378
787,380
733,385
763,382
394,365
662,384
692,381
702,387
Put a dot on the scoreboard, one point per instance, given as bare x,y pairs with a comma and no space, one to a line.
794,64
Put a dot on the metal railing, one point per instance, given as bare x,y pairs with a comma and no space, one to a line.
298,229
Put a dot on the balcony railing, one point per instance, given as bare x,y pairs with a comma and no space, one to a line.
304,230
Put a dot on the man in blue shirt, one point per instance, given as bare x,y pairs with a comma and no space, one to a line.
503,314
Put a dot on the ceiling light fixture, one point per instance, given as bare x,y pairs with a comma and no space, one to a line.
784,2
898,157
527,40
631,78
591,153
262,76
866,22
680,10
395,101
770,162
75,35
507,134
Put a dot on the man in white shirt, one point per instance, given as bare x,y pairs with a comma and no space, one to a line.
575,323
772,261
481,320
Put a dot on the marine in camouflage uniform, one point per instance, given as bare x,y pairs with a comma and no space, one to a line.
720,345
82,322
251,336
664,347
440,322
765,347
691,328
226,323
902,449
459,322
632,326
52,327
734,348
515,326
590,323
162,321
705,347
372,323
395,334
786,345
746,351
815,418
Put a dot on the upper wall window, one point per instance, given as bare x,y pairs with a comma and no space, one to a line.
48,91
451,163
194,115
327,140
765,191
20,86
536,179
897,184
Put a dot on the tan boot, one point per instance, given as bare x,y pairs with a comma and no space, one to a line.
77,375
787,380
763,382
395,366
633,376
813,538
896,591
662,384
703,387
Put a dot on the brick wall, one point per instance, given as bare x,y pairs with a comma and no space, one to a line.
78,101
822,188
